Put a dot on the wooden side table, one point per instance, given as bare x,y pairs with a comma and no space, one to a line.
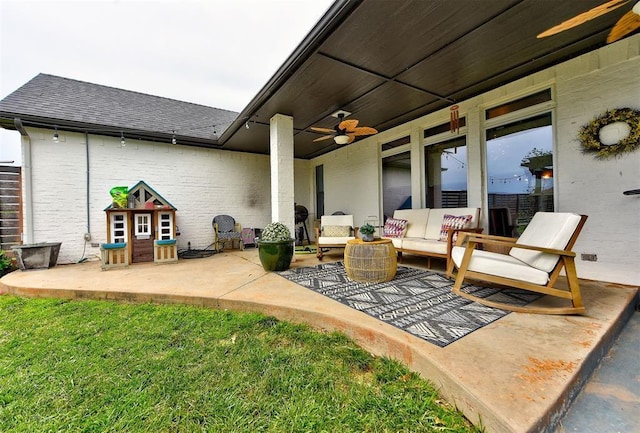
370,262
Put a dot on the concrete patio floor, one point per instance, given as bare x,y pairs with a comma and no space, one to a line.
518,374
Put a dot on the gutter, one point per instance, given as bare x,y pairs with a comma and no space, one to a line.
333,18
27,182
86,145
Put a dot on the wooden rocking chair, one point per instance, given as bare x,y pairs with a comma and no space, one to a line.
533,262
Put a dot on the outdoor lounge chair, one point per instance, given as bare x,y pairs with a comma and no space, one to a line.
226,229
334,232
533,262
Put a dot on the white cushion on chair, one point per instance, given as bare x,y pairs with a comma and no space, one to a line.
325,240
547,230
501,265
336,220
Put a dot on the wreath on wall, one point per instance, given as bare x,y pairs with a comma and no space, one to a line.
590,137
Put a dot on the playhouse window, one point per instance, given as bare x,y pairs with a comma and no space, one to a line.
143,226
119,227
165,221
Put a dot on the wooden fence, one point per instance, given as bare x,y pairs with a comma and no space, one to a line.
10,207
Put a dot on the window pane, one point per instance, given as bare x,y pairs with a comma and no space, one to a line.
446,174
396,183
319,191
520,173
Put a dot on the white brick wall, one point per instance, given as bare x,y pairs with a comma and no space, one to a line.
200,183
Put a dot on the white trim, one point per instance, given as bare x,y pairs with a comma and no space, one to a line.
118,227
142,225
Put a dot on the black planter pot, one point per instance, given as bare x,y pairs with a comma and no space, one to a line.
275,255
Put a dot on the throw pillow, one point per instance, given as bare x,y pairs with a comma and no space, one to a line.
394,228
453,222
336,231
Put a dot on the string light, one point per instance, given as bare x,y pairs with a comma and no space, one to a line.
515,178
113,132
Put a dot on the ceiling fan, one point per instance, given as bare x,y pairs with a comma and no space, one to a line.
345,131
625,25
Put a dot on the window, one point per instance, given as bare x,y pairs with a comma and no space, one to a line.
319,191
446,173
118,227
519,104
396,183
520,173
165,223
142,227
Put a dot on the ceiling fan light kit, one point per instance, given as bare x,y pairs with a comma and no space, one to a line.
345,131
341,139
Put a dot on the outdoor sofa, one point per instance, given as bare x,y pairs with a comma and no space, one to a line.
429,232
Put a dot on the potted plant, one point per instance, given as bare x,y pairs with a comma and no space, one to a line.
367,231
275,247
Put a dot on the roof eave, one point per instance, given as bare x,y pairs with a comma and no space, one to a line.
7,121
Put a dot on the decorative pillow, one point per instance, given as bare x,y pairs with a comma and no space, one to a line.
336,231
453,222
394,228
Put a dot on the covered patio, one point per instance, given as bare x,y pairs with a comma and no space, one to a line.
398,66
517,374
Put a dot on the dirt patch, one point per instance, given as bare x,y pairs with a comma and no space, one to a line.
543,370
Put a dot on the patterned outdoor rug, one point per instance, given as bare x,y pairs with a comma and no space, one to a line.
417,301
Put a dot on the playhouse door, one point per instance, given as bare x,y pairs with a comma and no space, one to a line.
142,242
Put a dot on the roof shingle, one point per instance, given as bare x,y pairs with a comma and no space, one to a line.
57,100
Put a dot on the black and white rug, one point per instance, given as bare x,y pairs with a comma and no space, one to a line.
419,302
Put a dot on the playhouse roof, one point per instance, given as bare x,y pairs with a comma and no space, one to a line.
145,194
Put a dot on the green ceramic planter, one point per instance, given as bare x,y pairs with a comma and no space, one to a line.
275,255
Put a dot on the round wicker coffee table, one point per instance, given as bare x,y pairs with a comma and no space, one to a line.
370,262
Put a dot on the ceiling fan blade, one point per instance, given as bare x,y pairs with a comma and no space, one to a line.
364,130
625,25
348,125
324,137
351,138
318,129
584,17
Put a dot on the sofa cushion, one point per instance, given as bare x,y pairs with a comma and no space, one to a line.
434,225
336,231
417,221
432,246
453,222
397,243
394,228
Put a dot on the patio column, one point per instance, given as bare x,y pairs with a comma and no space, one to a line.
282,181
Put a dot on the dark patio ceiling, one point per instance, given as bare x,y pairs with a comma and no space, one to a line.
391,61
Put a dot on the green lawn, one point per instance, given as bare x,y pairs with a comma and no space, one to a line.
89,366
